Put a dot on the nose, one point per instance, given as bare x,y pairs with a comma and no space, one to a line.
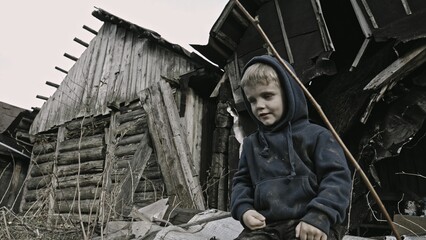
260,104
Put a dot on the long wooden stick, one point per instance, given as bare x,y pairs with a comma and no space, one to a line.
323,117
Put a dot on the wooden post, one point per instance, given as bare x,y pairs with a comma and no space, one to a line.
90,30
61,70
81,42
52,84
70,57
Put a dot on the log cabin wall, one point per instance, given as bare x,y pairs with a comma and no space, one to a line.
93,130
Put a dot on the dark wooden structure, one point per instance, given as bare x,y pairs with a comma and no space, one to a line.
364,62
15,152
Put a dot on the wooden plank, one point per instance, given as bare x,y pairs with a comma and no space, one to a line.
181,144
399,69
93,52
137,166
98,72
83,143
125,70
80,168
134,68
166,153
106,70
92,179
82,155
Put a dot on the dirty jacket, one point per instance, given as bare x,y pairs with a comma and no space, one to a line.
293,170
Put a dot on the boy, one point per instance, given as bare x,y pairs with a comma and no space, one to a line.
293,181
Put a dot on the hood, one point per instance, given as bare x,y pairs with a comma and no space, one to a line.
296,108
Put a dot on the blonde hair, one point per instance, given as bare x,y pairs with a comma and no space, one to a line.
259,73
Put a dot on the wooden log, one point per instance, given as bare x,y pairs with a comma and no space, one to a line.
43,169
43,158
71,193
42,97
84,168
37,182
37,195
90,29
84,180
150,186
87,122
32,206
81,42
61,70
132,128
152,174
125,150
86,142
91,154
130,140
70,57
25,136
87,206
131,116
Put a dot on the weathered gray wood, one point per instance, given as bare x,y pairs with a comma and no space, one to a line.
84,168
87,206
126,150
32,206
38,182
163,120
37,195
89,122
83,143
84,155
130,140
150,186
132,128
42,158
107,75
131,115
71,193
84,180
137,166
42,169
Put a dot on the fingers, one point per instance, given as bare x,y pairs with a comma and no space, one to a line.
254,220
305,231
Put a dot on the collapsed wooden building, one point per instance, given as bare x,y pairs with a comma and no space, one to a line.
364,62
138,119
131,92
15,152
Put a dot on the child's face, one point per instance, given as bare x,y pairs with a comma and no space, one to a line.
266,101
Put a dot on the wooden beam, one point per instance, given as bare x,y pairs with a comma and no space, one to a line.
42,97
90,30
284,33
52,84
70,57
61,70
81,42
399,69
173,154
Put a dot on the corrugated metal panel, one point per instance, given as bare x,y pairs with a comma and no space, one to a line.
113,69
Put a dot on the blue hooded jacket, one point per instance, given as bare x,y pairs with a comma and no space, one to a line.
294,169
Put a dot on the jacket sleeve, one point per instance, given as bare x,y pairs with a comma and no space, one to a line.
242,196
334,184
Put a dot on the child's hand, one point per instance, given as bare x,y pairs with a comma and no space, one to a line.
254,220
306,231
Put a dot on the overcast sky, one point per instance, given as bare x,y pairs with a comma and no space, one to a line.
35,35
